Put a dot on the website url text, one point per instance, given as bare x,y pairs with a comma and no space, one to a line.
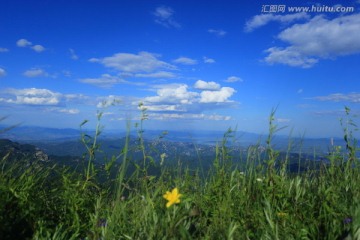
312,9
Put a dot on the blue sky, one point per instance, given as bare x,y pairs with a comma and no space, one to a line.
195,65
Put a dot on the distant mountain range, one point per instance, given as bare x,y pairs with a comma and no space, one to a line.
28,134
178,154
52,138
192,149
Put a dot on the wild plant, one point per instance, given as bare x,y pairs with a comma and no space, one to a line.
254,199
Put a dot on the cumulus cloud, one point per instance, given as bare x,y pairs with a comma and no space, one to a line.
185,61
44,97
32,96
320,38
141,65
217,32
353,97
208,60
263,19
164,16
35,72
3,49
233,79
25,43
217,96
175,93
105,81
200,84
2,72
38,48
134,63
289,56
325,38
177,97
176,101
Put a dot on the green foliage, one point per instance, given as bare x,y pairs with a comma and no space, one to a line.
259,199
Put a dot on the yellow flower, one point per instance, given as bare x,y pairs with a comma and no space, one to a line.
172,197
282,214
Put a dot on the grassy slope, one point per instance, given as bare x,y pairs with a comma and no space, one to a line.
258,200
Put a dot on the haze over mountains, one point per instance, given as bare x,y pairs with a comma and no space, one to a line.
53,138
175,148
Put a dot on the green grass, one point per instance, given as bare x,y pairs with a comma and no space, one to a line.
257,200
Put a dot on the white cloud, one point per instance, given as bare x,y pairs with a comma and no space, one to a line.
164,16
217,32
208,60
161,74
35,72
23,43
322,37
105,81
217,96
289,56
32,96
163,12
3,49
317,39
200,84
340,97
2,72
263,19
38,48
57,109
192,116
216,117
69,111
108,101
176,98
162,108
233,79
128,62
175,93
76,98
185,61
73,56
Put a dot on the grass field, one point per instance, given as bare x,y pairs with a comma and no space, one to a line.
258,199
